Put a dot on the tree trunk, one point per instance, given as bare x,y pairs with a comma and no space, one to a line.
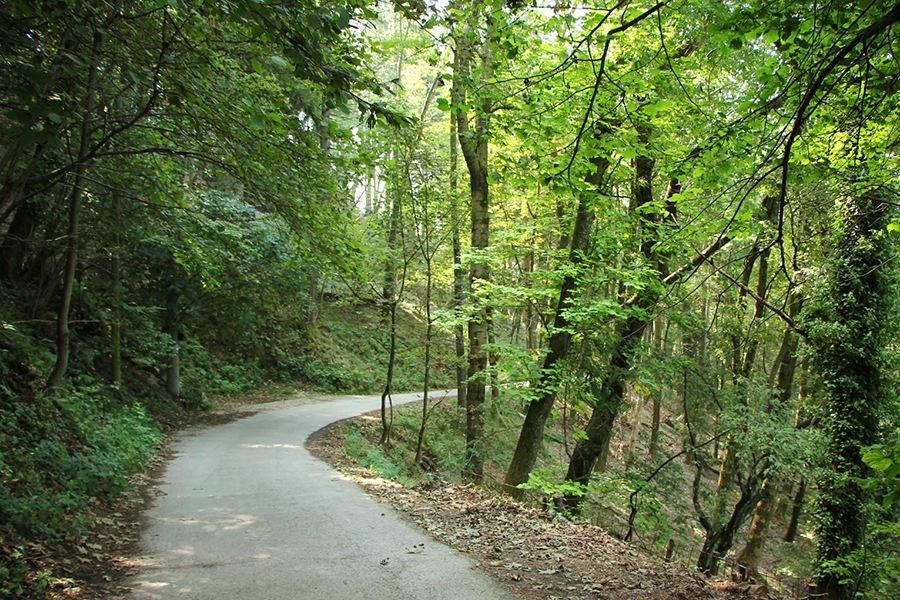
14,247
796,511
532,433
657,396
474,145
115,330
478,325
850,335
628,333
752,552
762,514
62,322
173,369
426,377
742,360
607,403
459,273
719,540
386,402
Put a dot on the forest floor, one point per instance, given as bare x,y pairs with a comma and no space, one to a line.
535,552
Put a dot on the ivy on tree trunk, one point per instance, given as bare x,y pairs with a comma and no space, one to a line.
849,331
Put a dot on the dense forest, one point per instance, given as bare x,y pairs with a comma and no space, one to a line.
665,228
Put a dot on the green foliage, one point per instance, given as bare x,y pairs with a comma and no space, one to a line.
852,325
350,350
885,459
881,556
371,456
52,461
543,480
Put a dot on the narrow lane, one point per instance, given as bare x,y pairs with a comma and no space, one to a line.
246,513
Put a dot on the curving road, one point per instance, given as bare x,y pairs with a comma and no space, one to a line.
246,513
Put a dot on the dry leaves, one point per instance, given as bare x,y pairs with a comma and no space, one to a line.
535,553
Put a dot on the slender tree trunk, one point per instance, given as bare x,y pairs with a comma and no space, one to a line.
752,552
62,323
756,539
719,540
115,330
607,403
478,325
386,401
796,511
426,382
528,313
657,396
628,333
459,273
173,369
743,357
532,433
14,246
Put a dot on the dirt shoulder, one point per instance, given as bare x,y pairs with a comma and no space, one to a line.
536,553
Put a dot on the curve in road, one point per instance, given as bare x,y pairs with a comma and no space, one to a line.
245,512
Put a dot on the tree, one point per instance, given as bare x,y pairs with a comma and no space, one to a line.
88,88
850,328
532,433
473,69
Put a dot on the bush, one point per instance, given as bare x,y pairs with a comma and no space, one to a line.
52,461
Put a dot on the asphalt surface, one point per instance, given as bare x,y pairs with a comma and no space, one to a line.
246,513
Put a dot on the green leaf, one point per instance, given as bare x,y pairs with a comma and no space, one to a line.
343,18
444,104
771,36
256,66
876,459
279,61
258,122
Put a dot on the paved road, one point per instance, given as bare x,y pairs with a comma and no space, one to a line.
248,514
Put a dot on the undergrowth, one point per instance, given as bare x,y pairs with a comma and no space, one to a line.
56,458
348,353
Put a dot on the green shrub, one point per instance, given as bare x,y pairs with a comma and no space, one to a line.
53,461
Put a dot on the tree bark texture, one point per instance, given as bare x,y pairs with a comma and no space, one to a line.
796,511
459,272
752,551
607,403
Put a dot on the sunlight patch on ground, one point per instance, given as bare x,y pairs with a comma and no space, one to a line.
291,446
